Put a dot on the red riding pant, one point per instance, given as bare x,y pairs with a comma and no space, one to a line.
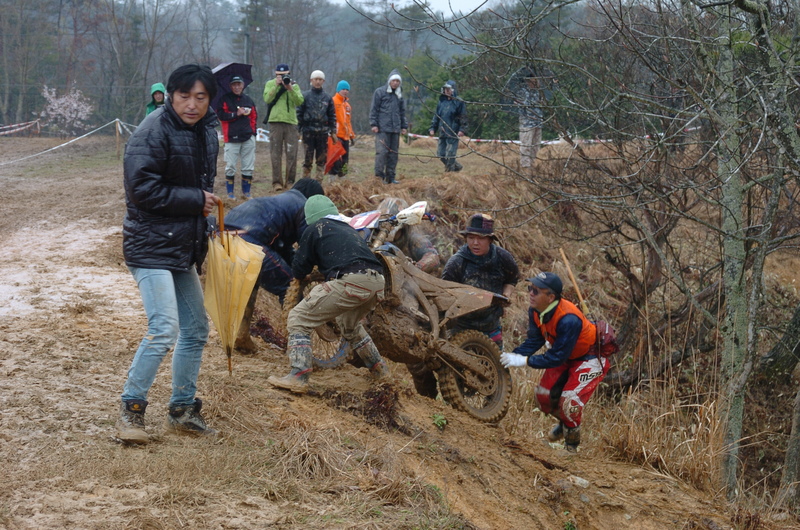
564,390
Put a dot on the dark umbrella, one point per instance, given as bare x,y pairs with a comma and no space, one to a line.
227,71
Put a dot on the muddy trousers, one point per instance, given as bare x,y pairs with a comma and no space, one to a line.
283,140
346,300
316,146
564,390
447,151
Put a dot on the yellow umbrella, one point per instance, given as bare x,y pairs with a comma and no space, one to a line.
231,273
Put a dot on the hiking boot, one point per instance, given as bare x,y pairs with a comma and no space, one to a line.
457,167
572,438
380,371
556,433
295,381
186,419
130,424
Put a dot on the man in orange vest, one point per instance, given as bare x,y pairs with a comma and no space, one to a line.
572,367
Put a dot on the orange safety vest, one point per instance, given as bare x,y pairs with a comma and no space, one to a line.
586,339
344,129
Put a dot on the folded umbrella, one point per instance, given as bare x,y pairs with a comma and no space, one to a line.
232,270
335,152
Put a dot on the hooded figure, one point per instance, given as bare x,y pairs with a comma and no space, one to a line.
450,119
157,92
387,117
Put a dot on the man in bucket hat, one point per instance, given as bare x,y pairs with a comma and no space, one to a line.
483,264
572,369
283,96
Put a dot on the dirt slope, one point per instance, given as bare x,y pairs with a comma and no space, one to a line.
70,320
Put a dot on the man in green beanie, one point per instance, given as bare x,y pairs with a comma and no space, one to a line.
353,284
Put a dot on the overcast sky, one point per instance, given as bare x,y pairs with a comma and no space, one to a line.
445,6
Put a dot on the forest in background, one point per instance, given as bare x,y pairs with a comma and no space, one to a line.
692,190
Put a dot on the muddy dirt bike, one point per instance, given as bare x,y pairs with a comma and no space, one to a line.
410,325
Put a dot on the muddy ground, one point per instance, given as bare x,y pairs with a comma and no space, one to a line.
70,321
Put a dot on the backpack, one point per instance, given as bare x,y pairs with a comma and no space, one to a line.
606,344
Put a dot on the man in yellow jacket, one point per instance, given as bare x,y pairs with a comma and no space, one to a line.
283,96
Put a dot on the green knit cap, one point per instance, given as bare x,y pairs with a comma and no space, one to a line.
317,207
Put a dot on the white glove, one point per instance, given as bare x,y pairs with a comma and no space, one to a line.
509,360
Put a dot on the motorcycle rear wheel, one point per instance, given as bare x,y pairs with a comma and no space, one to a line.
329,350
455,390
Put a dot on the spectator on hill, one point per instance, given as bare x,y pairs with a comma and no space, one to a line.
157,92
450,119
238,115
316,118
282,96
387,117
344,128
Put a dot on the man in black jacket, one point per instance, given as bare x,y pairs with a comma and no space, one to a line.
316,118
354,283
238,115
169,169
387,117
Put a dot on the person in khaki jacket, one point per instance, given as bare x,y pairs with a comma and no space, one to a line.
353,284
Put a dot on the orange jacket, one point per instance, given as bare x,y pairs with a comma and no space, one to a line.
344,129
588,335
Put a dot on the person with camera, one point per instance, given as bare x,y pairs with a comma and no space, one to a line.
316,118
237,112
282,96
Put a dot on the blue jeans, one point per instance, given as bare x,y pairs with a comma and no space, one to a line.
173,302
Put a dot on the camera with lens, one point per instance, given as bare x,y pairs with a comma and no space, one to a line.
286,79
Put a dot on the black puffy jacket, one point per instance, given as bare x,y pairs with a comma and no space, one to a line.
167,166
317,113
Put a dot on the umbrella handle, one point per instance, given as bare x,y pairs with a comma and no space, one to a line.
221,209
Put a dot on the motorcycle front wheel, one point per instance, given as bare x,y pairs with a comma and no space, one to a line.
329,350
487,398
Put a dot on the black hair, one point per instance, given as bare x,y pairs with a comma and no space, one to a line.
184,77
308,187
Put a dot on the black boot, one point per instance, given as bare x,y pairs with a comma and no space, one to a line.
556,433
188,420
572,438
